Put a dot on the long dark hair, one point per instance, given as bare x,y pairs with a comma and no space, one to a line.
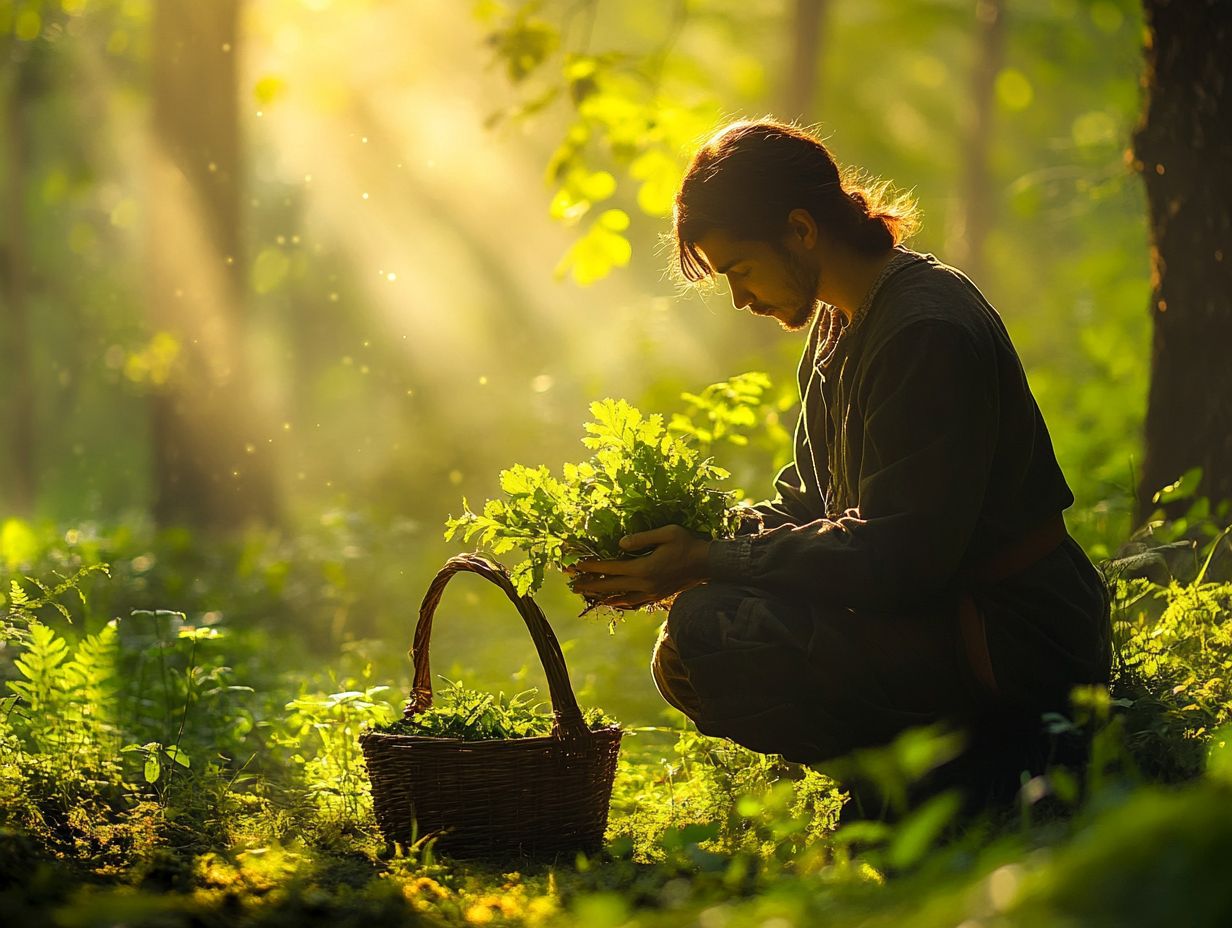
751,174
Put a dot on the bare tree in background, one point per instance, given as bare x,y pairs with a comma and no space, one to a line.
212,465
965,247
1183,148
808,31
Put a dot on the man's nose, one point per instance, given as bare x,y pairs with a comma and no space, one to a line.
740,297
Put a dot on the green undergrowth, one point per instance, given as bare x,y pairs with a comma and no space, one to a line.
469,715
167,766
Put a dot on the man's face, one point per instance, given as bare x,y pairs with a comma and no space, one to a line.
772,279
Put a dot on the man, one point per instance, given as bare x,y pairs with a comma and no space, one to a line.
914,566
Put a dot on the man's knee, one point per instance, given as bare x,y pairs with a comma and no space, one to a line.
694,621
671,678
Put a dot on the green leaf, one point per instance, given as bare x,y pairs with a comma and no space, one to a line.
920,831
661,176
177,755
595,254
153,768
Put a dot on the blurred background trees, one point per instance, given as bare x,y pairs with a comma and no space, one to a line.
265,259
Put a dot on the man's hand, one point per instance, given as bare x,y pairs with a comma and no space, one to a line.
678,561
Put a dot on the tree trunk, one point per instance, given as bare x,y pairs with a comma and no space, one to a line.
1183,148
18,382
966,246
808,39
212,457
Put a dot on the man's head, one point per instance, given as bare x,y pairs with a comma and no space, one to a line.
765,204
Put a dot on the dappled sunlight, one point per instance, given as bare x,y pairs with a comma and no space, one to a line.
446,228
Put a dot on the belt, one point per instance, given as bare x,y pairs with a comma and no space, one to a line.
1040,541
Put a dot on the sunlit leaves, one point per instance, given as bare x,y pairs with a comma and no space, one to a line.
581,190
723,410
640,476
525,43
155,753
623,125
660,175
603,247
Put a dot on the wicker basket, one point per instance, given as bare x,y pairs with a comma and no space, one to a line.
492,798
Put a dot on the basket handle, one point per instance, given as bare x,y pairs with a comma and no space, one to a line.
566,714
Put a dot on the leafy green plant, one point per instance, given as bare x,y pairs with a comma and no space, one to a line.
334,773
642,475
469,715
157,756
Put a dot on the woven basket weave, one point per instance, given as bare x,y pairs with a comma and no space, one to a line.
492,798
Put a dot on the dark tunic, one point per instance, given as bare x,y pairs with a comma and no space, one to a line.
919,452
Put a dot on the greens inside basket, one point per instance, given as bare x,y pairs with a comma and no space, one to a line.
469,715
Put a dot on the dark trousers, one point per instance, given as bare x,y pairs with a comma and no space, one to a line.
811,683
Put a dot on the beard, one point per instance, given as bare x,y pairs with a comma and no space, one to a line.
805,279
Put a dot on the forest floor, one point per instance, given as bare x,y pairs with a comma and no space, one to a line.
165,761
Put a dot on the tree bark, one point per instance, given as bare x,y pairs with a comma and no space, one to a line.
966,246
1183,149
15,288
212,459
808,39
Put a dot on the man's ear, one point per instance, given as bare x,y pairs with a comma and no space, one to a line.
802,228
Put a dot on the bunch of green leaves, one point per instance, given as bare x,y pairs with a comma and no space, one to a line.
470,715
641,476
